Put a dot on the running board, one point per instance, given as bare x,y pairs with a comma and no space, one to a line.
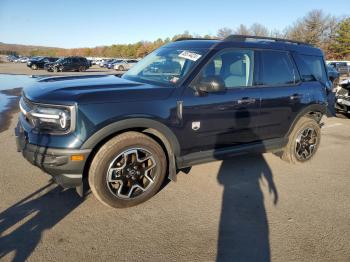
228,152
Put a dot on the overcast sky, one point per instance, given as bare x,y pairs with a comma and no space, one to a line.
85,23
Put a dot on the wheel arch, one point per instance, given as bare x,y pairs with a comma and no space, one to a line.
155,129
315,111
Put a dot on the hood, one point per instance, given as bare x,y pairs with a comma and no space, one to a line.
93,89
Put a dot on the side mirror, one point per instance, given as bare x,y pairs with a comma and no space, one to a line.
211,84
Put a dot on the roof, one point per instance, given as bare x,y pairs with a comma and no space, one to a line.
243,41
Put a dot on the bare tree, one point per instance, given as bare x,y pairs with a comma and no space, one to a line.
259,30
277,33
242,30
224,32
315,28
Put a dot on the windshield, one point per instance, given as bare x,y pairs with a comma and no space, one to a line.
60,60
165,65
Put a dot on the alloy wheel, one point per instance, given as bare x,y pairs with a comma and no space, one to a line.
306,144
131,173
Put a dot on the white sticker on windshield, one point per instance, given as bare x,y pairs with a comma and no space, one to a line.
190,55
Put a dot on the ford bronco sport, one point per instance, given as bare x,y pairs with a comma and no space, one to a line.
188,102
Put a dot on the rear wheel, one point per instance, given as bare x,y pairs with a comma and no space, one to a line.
34,67
127,170
121,68
304,141
82,69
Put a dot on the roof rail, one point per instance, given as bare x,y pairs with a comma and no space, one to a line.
193,38
244,38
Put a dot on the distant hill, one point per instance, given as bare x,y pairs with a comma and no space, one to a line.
28,49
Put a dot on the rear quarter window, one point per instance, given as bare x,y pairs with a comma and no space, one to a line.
311,68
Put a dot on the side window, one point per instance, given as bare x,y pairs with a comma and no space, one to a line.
234,68
311,68
277,69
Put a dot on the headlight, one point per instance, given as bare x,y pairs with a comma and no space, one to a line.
51,119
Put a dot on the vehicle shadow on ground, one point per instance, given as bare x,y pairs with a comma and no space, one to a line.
243,229
23,224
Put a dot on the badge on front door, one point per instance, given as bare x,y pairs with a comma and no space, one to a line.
196,125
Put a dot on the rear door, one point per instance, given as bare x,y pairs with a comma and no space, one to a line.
282,93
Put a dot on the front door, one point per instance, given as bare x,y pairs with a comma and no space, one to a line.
222,119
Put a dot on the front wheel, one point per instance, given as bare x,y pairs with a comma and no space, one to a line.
127,170
304,141
34,67
121,68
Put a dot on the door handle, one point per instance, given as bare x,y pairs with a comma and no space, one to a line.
295,97
245,100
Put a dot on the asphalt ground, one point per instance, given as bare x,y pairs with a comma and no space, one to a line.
248,208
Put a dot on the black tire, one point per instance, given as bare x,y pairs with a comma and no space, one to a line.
104,159
290,152
34,67
121,68
55,69
82,69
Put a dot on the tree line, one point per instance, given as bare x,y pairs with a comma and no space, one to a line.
330,33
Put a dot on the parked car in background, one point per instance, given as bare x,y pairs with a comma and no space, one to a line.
125,64
11,58
342,96
106,62
341,67
95,61
333,74
110,65
39,62
73,63
23,60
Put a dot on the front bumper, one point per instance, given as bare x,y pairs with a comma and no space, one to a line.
56,162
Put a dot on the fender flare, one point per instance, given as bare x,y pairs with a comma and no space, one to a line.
152,127
305,111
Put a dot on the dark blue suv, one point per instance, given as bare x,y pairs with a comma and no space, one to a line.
190,101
